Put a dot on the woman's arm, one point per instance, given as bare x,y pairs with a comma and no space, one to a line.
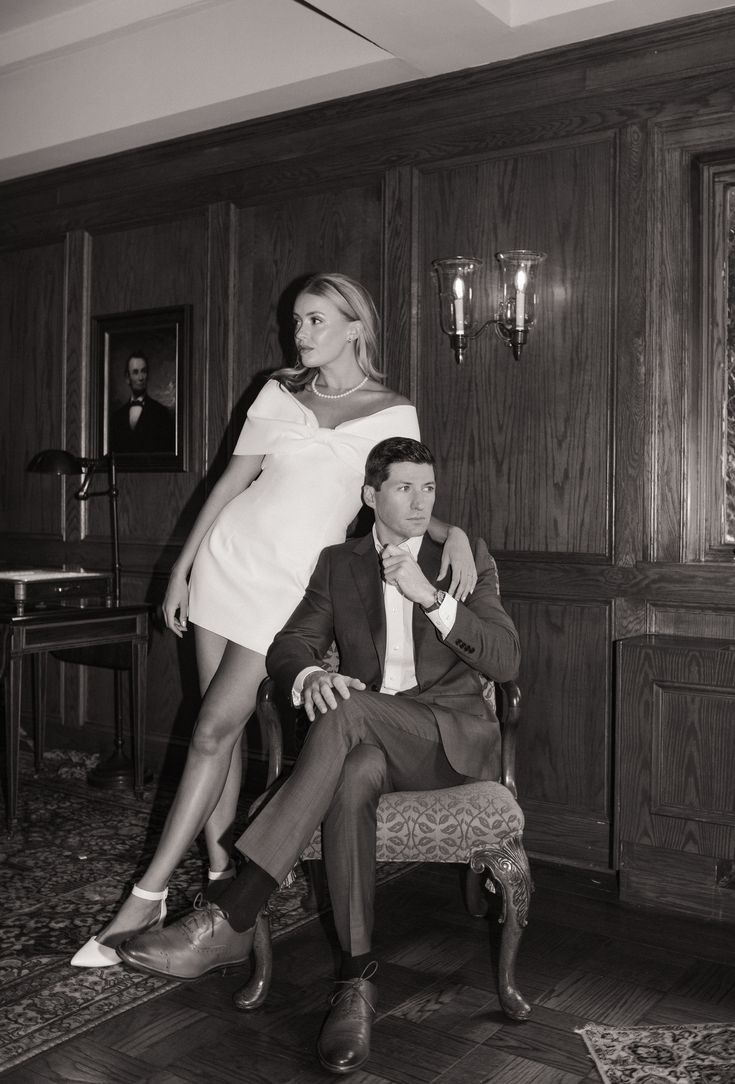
237,476
457,555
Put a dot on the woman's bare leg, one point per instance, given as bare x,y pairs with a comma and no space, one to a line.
210,647
228,704
218,831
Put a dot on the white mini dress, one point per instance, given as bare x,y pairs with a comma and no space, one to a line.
253,565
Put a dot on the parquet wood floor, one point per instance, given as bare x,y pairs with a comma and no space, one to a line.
584,958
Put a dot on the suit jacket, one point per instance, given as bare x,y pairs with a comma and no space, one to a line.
155,431
344,602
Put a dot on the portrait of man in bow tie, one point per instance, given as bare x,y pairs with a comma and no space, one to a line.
142,424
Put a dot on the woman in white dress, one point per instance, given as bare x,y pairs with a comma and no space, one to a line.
291,488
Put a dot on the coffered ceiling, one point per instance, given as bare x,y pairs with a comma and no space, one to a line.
83,78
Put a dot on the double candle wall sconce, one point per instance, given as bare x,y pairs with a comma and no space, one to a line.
516,305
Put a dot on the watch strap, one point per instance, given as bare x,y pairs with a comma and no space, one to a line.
439,597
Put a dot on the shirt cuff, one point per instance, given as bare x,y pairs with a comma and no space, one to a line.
444,616
297,689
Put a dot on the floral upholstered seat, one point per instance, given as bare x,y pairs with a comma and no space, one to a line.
441,826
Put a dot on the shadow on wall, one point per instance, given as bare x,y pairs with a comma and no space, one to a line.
186,713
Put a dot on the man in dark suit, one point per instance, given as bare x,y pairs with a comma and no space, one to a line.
142,424
405,712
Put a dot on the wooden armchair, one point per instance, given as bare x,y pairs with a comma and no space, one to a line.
478,824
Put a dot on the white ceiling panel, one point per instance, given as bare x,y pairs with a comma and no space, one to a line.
81,78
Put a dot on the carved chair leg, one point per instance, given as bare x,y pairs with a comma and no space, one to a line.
316,896
508,866
474,897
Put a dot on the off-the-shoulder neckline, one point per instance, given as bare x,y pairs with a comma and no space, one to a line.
349,421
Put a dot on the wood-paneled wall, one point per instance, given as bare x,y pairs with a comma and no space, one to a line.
580,464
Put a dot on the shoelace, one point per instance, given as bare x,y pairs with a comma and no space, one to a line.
352,986
201,903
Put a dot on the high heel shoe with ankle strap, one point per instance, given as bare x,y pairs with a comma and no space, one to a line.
96,954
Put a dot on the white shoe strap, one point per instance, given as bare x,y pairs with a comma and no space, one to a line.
221,874
144,894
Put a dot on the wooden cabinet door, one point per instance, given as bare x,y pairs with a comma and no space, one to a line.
675,774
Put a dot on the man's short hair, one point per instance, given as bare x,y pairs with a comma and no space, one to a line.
394,450
136,354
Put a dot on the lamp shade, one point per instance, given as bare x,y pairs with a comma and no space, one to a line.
55,461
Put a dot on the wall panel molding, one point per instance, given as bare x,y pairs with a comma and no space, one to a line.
400,298
565,737
679,384
75,424
559,395
214,382
33,408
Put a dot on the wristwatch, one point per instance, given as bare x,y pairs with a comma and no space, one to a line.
439,597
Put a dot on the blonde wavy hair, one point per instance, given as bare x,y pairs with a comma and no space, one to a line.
355,303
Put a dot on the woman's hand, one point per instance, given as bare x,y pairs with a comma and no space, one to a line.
457,555
176,604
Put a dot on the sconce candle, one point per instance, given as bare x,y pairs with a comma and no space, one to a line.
521,279
458,288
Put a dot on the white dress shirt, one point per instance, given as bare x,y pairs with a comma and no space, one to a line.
135,409
399,667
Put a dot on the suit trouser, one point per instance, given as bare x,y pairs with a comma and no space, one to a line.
369,744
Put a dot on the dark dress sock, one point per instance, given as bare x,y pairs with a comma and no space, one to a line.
352,967
246,895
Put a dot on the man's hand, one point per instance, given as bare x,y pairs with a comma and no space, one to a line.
320,687
401,570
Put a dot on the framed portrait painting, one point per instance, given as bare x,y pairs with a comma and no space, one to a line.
140,388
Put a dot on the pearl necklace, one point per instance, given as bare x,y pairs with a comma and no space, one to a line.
340,395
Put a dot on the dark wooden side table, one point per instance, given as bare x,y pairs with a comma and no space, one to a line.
117,636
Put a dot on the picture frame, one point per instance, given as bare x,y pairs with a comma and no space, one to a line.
140,401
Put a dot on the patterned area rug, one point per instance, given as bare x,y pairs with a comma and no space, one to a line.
694,1054
73,858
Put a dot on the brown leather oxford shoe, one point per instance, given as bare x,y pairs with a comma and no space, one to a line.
201,942
344,1043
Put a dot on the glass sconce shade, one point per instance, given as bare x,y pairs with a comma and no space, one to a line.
517,298
456,281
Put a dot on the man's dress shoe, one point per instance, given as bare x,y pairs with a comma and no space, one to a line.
201,942
344,1043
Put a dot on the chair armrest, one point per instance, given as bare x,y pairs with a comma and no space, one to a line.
508,697
270,727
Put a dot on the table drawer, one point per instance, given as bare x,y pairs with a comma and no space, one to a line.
70,633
